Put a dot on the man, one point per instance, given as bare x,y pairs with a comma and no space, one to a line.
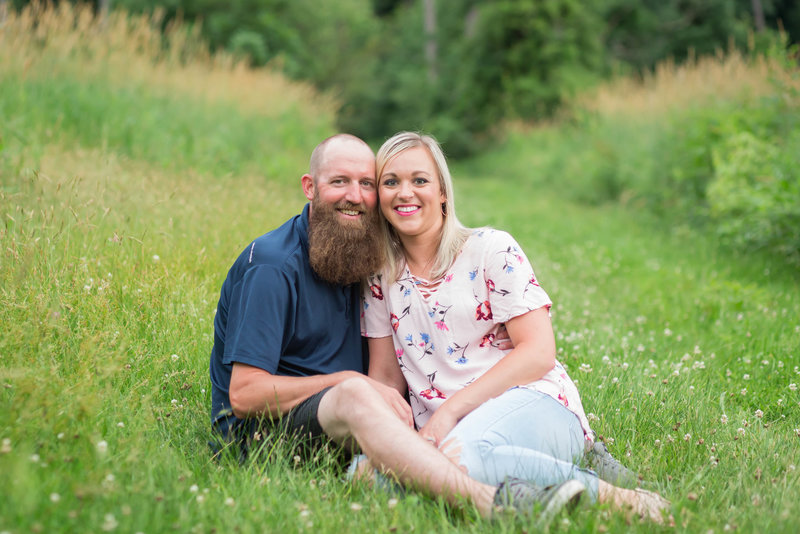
287,341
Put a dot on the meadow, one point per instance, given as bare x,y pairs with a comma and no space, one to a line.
134,167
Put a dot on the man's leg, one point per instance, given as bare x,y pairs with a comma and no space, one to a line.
353,410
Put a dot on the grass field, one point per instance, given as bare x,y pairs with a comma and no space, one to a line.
126,194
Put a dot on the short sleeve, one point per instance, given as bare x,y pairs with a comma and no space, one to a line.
375,317
510,280
259,315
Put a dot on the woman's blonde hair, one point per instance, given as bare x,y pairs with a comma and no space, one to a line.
454,234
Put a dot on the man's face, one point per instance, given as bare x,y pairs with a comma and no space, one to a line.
344,236
346,181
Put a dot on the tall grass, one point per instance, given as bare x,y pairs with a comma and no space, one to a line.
111,262
69,77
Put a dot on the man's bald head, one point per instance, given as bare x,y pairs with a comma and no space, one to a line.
333,143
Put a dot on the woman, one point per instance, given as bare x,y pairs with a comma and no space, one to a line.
433,316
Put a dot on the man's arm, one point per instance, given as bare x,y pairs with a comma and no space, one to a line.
254,392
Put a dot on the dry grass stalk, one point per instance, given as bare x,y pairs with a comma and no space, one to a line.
44,40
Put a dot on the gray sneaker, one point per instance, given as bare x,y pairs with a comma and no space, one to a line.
608,468
527,498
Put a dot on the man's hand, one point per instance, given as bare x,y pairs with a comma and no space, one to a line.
503,341
394,400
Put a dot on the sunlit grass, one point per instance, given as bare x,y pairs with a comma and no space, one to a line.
697,82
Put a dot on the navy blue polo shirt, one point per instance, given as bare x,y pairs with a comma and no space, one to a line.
276,314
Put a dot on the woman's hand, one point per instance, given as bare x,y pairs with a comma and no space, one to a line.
438,426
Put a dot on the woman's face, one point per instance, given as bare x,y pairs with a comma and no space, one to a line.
410,195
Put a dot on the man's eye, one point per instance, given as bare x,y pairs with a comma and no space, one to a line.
367,184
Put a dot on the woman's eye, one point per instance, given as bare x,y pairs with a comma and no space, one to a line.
420,181
389,182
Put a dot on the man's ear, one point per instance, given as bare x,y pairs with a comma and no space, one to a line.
307,181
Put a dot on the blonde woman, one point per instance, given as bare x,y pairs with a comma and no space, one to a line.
432,317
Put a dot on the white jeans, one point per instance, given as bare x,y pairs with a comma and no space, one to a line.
524,434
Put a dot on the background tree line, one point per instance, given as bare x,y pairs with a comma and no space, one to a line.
460,67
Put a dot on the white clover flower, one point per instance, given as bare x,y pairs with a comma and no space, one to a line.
109,523
229,501
667,332
55,497
793,387
586,368
759,414
174,357
155,257
746,376
592,417
625,366
121,424
102,446
356,506
305,513
743,391
391,503
35,458
687,437
194,488
5,448
740,430
724,419
658,443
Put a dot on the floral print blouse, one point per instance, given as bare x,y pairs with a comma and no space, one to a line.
444,331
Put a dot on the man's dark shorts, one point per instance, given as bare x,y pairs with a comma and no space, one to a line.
298,432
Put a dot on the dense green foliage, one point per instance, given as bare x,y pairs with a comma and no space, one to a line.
489,61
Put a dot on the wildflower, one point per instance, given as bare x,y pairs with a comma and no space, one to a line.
121,424
174,357
797,432
658,443
592,417
793,387
6,447
391,503
155,257
746,377
102,446
667,332
60,435
109,523
296,459
356,507
740,430
743,391
586,368
606,360
193,488
200,498
625,366
724,419
35,458
229,501
55,497
728,373
759,414
305,513
687,437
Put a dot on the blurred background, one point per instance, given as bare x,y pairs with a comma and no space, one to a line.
460,67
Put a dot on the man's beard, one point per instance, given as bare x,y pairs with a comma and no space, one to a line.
344,251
